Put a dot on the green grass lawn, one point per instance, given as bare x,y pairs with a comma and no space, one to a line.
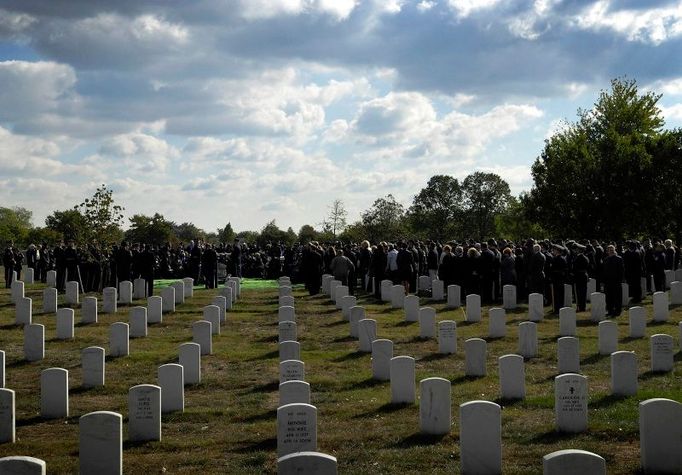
229,423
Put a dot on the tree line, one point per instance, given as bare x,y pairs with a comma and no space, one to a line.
615,172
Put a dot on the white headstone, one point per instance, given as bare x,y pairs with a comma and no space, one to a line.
313,463
93,366
397,296
509,297
54,393
296,429
435,415
138,322
7,417
119,344
427,322
101,443
202,334
125,292
437,290
637,320
220,302
212,313
179,292
189,357
625,294
168,299
497,327
662,353
591,288
608,337
660,435
188,287
287,331
424,283
678,274
286,301
367,331
475,351
289,350
326,280
340,292
568,355
109,300
294,392
623,373
598,306
291,370
480,437
676,292
447,337
65,322
50,300
51,278
454,296
29,275
139,289
285,291
172,382
568,295
357,313
2,369
333,284
229,297
16,291
536,311
528,339
661,307
570,402
567,321
89,310
573,461
411,304
34,342
402,380
473,308
154,309
386,286
382,352
236,286
21,465
348,302
286,314
512,375
669,277
144,413
24,311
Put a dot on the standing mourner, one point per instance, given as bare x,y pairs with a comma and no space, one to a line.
405,264
8,263
537,271
613,273
581,266
559,268
341,267
633,262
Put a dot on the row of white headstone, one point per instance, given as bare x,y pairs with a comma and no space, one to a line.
296,417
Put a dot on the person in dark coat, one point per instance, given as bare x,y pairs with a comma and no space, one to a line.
633,263
446,270
236,258
613,273
209,267
432,262
507,268
147,265
311,267
405,262
124,262
8,263
472,278
378,268
486,263
581,265
559,271
658,269
537,271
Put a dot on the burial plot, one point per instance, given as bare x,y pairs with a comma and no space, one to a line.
144,413
189,357
332,289
109,300
229,298
125,292
427,322
572,461
474,357
568,355
119,342
291,370
24,311
437,290
367,330
154,309
289,350
101,443
608,337
92,364
570,402
65,317
296,429
54,393
661,308
89,310
637,321
308,463
660,436
168,299
29,276
7,417
286,314
509,297
567,321
447,337
402,380
597,306
434,406
473,308
528,339
287,331
512,375
662,357
669,277
497,327
411,304
536,310
357,313
22,465
34,342
172,382
397,296
294,392
454,296
480,437
326,280
201,334
382,353
50,300
211,313
623,373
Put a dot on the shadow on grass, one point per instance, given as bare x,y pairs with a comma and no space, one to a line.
350,356
405,324
265,416
130,444
387,408
266,356
586,323
268,339
552,436
606,401
366,383
264,388
593,359
418,439
435,357
343,339
630,339
508,402
335,323
466,323
267,445
29,421
678,356
18,364
653,374
465,378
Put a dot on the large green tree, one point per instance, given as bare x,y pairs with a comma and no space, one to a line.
70,224
486,195
154,230
600,176
384,220
103,217
15,225
437,208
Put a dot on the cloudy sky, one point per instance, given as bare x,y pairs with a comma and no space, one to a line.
212,111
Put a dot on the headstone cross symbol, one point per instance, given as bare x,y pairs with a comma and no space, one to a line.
572,390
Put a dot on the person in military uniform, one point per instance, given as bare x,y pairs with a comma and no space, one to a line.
612,274
71,262
581,267
633,262
209,266
147,265
124,261
537,271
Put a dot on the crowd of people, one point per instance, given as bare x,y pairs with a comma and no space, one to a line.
481,268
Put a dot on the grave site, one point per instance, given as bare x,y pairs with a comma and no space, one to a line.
261,377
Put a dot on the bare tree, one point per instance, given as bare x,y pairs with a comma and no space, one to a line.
335,222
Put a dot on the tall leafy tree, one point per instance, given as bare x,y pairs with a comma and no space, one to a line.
103,217
437,208
187,232
486,195
70,224
384,220
226,235
15,225
154,230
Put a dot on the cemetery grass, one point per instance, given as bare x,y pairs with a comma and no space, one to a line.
229,422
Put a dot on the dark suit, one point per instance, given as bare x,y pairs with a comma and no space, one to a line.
613,274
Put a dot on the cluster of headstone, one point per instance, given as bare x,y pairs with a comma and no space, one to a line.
296,417
480,421
101,432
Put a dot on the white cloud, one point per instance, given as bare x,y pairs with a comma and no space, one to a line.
425,5
261,9
12,23
464,8
140,152
673,113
